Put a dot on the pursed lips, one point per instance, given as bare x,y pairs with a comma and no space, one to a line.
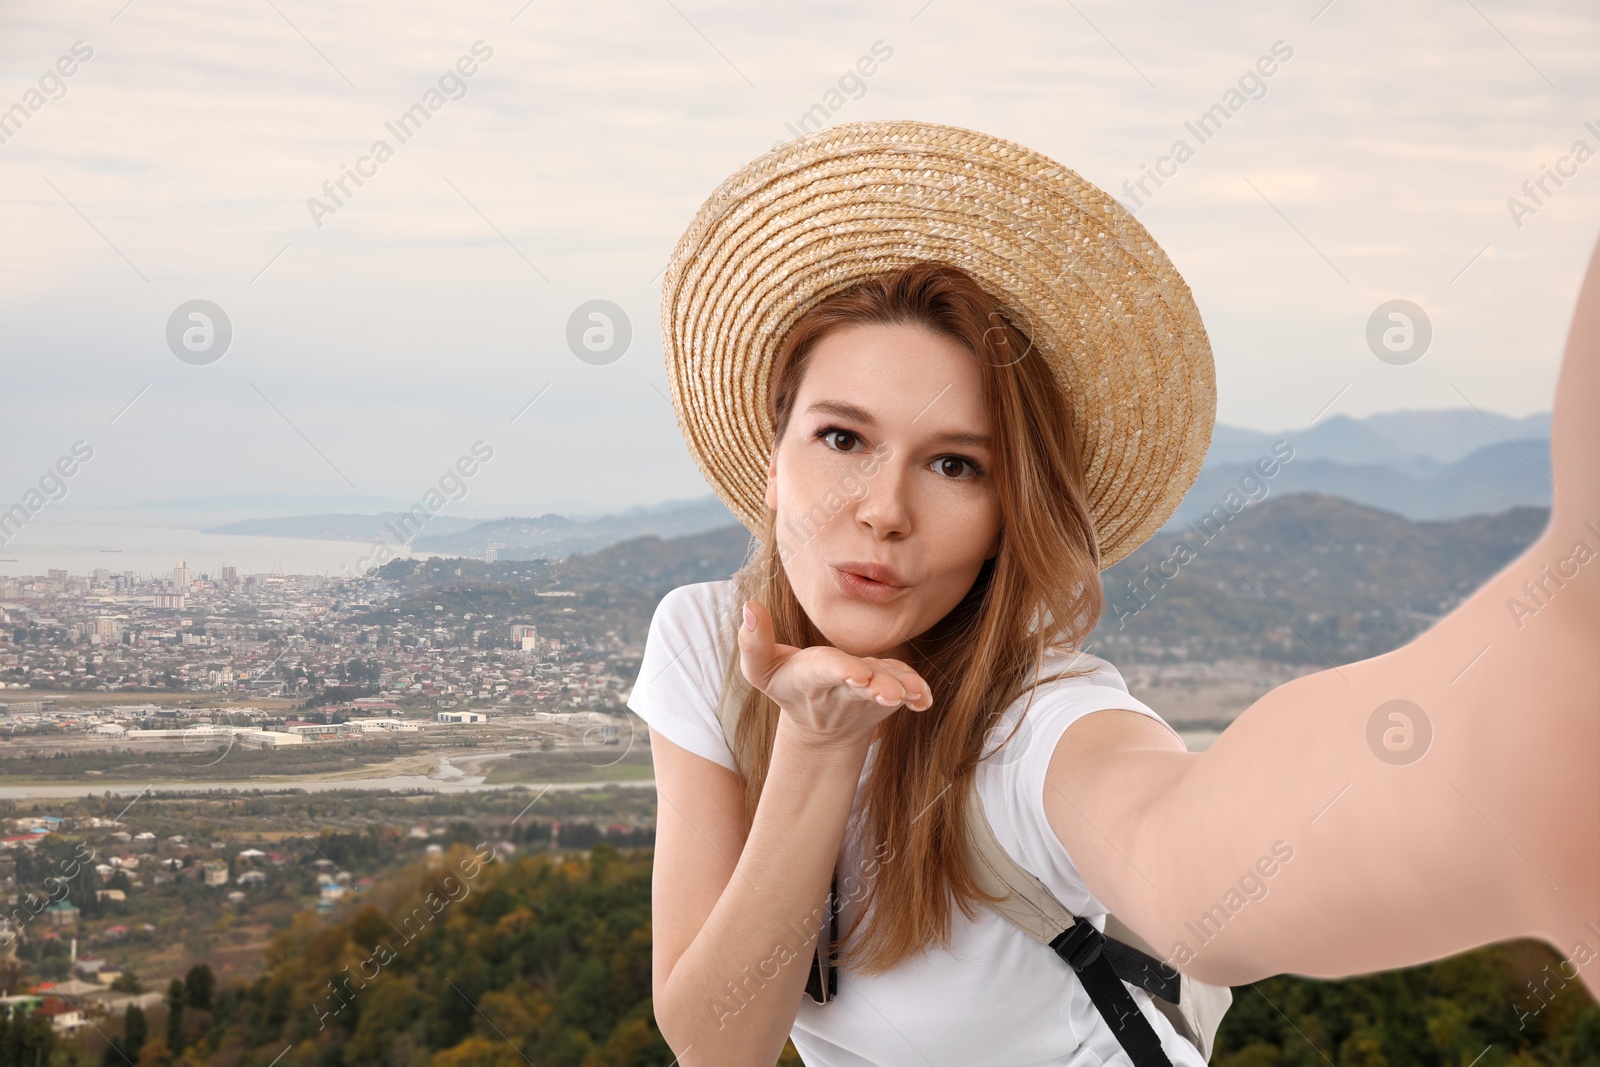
875,583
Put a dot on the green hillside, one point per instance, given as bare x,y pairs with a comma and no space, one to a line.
1303,579
1300,578
546,961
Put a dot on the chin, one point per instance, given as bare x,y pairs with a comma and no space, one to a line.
857,628
861,641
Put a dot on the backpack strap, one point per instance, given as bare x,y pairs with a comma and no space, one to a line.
1198,1012
1096,959
730,706
1195,1009
822,984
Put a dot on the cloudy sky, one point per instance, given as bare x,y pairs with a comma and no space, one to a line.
376,339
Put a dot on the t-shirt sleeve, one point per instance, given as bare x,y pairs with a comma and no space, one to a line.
1022,771
680,675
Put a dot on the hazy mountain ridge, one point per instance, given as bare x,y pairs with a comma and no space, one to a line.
1391,438
554,536
543,537
336,527
1490,479
1423,465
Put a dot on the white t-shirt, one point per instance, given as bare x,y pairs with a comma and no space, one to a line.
998,998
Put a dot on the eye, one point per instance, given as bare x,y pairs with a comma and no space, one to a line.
951,467
835,433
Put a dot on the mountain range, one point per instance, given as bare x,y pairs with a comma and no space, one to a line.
1418,442
1420,465
1303,579
544,537
1491,479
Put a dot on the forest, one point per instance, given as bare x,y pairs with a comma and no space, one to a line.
476,959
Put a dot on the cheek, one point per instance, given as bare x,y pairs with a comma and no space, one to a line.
960,540
812,523
964,530
810,500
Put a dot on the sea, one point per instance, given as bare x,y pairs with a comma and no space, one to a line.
80,548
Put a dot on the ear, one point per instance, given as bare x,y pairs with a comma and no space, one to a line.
994,548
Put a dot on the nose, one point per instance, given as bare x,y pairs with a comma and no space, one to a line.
885,507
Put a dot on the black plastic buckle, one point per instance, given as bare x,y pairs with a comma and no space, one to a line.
819,989
1079,944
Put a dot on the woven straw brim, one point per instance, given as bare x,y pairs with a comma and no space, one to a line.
1080,276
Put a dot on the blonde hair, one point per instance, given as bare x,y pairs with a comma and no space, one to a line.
1041,591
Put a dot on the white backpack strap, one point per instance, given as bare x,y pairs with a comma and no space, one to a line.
1029,904
1194,1008
729,707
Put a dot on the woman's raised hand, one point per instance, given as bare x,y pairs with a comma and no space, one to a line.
830,696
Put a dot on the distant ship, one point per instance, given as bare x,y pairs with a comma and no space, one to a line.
111,550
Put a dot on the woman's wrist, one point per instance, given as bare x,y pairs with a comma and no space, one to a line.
821,749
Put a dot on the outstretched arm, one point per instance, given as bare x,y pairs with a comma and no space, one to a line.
1429,800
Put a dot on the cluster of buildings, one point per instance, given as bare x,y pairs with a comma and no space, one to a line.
113,632
294,636
130,865
125,862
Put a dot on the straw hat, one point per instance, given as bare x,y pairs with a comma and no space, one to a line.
1081,277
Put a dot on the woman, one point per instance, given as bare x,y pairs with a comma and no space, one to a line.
945,382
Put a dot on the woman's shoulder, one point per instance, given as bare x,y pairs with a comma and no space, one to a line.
1071,683
1065,686
1085,668
695,621
697,602
1068,678
697,618
678,688
1012,779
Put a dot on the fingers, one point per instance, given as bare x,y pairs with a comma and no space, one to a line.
887,682
892,683
758,654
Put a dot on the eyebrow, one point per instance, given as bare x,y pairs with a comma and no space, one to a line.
845,410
